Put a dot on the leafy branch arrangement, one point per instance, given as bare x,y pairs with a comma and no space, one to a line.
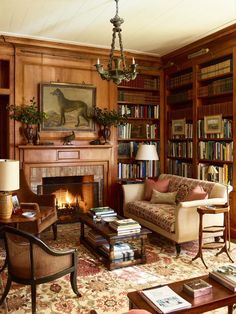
107,118
27,114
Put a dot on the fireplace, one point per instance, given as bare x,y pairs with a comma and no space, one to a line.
74,194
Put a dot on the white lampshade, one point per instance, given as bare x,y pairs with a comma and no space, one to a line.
147,152
212,170
9,175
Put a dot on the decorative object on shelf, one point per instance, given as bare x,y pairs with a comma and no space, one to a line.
106,118
28,115
178,127
68,106
118,73
213,124
198,53
212,171
67,140
9,174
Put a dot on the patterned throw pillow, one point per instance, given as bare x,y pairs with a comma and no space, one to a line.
159,185
198,193
163,198
182,192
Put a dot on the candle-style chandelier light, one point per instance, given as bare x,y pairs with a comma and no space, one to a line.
117,70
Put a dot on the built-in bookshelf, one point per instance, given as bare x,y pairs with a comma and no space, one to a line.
139,100
179,104
215,119
4,101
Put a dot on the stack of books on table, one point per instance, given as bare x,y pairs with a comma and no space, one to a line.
101,212
122,251
225,275
125,226
95,238
164,300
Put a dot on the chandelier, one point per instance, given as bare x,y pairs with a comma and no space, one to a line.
117,70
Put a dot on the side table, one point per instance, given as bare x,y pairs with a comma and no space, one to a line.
213,210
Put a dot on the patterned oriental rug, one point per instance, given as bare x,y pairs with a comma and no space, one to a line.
105,290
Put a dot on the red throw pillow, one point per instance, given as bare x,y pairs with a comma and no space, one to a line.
159,185
198,193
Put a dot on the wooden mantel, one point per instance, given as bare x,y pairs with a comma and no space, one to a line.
49,156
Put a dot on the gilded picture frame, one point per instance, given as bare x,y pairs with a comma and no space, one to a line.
178,127
213,124
68,106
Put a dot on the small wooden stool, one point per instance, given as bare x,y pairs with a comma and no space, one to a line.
213,229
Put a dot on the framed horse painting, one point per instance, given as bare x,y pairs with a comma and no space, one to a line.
68,106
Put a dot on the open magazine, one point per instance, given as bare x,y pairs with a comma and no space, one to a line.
165,299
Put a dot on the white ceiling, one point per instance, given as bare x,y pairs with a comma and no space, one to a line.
151,26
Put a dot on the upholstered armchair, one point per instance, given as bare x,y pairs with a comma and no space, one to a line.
42,204
31,262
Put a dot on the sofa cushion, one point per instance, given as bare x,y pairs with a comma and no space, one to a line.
198,193
163,198
159,185
162,215
182,192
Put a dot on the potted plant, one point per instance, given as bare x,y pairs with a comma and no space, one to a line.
29,115
106,118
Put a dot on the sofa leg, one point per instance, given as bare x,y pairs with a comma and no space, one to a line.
178,249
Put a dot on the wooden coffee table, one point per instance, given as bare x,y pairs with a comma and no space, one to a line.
219,297
111,236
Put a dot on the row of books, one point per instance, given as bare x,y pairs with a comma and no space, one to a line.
216,88
143,82
216,69
180,97
180,168
179,80
141,169
122,251
125,226
224,175
129,149
225,108
180,149
138,130
227,127
139,97
140,111
214,150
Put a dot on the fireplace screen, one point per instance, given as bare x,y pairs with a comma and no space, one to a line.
73,194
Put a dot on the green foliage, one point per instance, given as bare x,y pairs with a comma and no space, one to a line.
27,114
106,117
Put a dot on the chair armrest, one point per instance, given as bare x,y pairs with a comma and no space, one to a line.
133,192
31,206
209,201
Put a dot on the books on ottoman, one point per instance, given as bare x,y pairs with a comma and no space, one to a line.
164,299
197,287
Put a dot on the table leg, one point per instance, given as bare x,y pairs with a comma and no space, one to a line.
199,254
230,309
81,230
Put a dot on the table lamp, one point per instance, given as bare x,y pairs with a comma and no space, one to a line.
212,171
9,174
146,152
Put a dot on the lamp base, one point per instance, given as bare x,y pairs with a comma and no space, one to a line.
5,205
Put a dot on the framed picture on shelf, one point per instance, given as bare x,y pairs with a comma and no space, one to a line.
68,106
178,127
213,124
15,202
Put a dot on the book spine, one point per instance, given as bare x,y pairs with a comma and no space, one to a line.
222,281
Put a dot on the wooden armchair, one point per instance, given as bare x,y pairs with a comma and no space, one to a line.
43,204
31,262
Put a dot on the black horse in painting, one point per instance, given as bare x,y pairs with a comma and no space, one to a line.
67,105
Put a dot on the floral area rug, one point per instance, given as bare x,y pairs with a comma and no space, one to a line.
103,290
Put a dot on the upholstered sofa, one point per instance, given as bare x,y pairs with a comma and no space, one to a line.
179,221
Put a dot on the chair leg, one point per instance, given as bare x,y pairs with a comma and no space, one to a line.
7,288
33,298
54,228
73,281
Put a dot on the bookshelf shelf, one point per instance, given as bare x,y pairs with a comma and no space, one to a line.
140,101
